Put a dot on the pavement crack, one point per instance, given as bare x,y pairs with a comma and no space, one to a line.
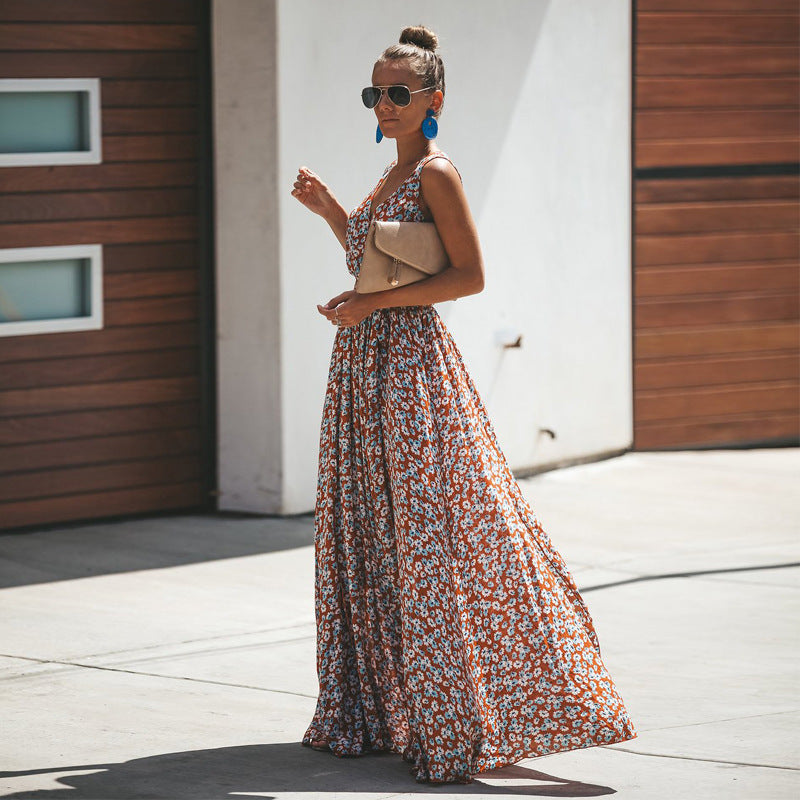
697,758
690,574
182,642
185,654
716,721
160,675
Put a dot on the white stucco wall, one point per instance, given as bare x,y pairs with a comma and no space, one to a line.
537,119
247,258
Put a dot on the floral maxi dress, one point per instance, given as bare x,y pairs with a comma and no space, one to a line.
448,627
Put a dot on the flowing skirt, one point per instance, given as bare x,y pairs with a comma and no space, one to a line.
448,627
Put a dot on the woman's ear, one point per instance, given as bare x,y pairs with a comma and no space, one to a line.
437,99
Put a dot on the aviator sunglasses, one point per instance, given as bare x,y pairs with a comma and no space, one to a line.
399,94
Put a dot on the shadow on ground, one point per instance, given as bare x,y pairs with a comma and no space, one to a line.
259,770
106,548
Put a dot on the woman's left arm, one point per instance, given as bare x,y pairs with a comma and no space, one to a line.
444,195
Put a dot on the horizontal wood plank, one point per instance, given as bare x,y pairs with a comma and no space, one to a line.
151,310
727,60
149,283
768,187
715,152
149,257
44,372
98,422
762,428
717,340
99,450
758,92
132,229
99,505
80,479
703,248
673,373
136,93
662,312
99,64
688,402
44,207
150,120
95,11
713,123
783,276
49,400
163,147
721,215
100,176
45,36
695,28
707,6
106,340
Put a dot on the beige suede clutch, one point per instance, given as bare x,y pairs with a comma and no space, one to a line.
399,253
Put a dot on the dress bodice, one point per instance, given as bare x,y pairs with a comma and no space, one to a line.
401,205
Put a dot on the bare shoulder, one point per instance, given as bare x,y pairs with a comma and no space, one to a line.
440,182
440,172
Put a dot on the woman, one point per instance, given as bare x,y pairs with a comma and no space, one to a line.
448,627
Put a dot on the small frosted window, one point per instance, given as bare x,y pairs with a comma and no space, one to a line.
49,121
44,289
51,289
43,122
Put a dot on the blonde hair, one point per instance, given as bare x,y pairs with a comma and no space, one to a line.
418,46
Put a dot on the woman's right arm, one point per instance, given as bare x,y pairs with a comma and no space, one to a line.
317,197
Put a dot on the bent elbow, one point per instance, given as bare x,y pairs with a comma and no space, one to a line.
470,282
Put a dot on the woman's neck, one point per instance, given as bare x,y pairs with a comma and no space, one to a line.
412,150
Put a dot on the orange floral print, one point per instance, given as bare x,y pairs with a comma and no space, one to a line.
449,629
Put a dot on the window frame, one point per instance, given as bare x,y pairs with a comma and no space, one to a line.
94,321
91,156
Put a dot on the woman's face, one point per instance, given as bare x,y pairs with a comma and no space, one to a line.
399,121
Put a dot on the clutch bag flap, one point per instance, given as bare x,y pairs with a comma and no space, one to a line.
414,243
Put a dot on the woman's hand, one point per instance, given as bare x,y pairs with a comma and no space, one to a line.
313,193
317,197
349,308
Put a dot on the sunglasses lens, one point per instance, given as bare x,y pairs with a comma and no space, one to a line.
370,96
399,95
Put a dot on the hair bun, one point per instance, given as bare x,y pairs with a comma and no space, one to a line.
420,36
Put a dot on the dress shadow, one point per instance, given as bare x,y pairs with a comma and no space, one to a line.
262,770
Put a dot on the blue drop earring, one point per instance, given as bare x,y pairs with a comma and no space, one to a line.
430,127
378,134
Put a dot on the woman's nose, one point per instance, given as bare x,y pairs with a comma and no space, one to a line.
385,102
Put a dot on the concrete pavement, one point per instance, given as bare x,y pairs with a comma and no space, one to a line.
173,657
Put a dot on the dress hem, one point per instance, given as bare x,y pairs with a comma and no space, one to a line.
480,764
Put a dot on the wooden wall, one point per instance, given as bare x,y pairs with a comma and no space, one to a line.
716,213
96,424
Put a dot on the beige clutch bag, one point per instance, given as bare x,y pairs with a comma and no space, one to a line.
398,253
